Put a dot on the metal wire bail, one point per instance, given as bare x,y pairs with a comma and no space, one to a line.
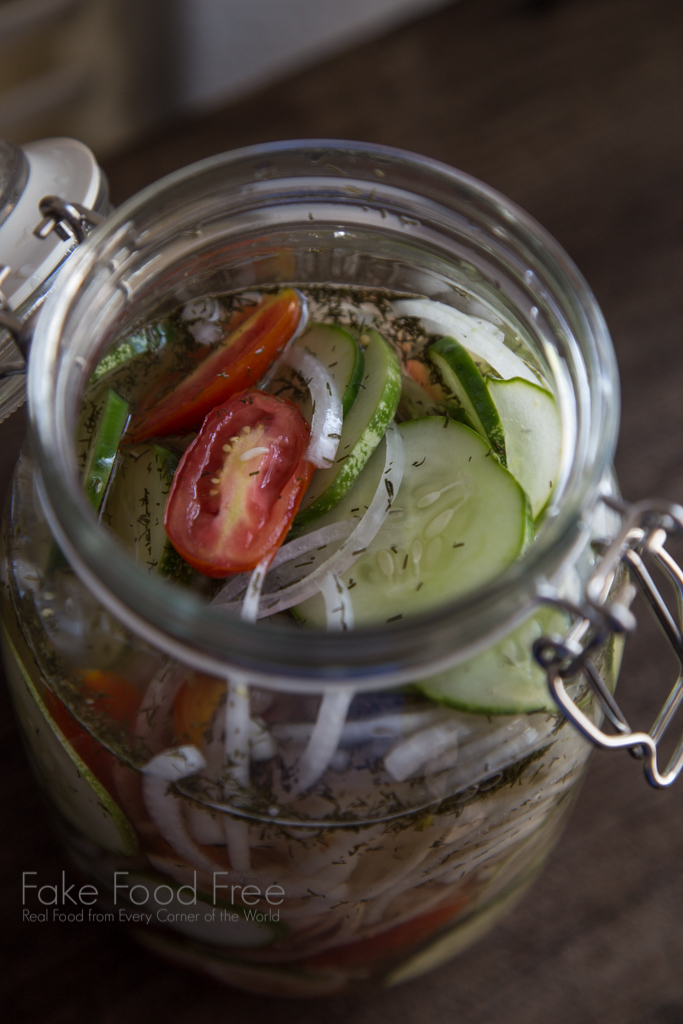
645,529
69,220
72,222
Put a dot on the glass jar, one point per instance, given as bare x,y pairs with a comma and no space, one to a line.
325,824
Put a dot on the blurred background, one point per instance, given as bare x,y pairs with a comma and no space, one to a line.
105,71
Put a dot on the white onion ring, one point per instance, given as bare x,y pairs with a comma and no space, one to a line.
326,422
237,756
252,598
292,549
409,755
165,809
480,337
324,739
366,730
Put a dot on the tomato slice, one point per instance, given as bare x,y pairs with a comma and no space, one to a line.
239,360
109,694
195,707
239,484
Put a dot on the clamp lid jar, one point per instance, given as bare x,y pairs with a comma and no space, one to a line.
378,820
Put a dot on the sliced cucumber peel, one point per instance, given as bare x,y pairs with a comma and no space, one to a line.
533,436
135,506
463,379
505,679
482,339
105,447
341,355
149,339
76,792
362,430
459,520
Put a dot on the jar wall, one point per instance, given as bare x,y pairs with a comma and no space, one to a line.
298,817
423,827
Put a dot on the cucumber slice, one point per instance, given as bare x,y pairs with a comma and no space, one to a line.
459,519
135,508
150,338
505,679
105,447
463,379
533,436
341,355
423,394
362,430
77,794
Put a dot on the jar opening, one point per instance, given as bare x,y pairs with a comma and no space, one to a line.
308,213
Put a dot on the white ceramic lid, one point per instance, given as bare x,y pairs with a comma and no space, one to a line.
61,167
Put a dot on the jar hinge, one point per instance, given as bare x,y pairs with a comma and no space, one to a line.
72,222
607,609
69,220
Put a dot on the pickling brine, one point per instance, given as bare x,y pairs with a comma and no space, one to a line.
309,459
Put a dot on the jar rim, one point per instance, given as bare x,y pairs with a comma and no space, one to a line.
179,621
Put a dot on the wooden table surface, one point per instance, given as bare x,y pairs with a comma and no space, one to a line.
574,109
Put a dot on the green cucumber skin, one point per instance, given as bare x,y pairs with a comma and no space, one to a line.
533,432
417,402
455,366
371,435
76,792
171,564
319,335
445,455
105,447
135,509
150,338
504,679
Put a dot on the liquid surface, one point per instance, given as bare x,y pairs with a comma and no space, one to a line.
446,526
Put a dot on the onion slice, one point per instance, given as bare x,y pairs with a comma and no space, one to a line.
326,422
480,337
296,548
405,759
165,809
324,739
250,605
237,722
385,727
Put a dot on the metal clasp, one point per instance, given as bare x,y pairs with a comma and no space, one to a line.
72,222
645,529
69,220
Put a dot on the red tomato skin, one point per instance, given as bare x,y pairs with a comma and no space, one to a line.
113,696
238,362
223,514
